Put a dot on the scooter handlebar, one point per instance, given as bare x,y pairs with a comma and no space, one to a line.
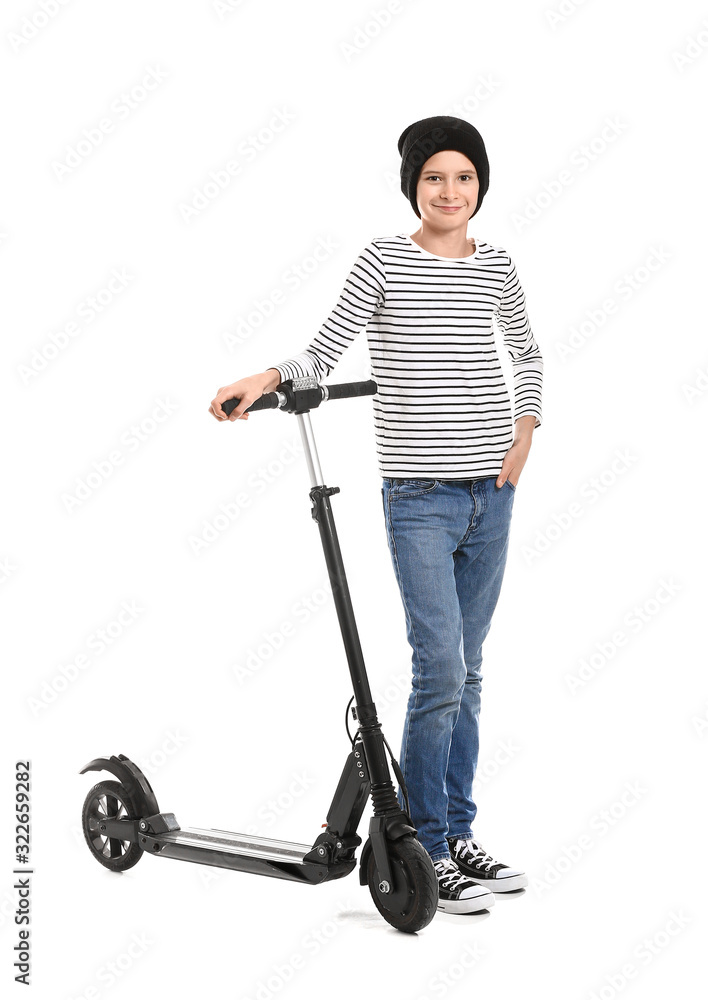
346,389
273,400
268,401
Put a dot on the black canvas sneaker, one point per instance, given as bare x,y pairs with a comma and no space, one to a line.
478,865
457,893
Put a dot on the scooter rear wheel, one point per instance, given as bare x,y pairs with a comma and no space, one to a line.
410,903
109,800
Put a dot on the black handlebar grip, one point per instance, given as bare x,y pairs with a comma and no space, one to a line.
268,401
347,389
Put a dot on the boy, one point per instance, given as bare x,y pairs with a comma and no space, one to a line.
450,461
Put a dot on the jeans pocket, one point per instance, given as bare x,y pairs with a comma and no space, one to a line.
510,484
412,488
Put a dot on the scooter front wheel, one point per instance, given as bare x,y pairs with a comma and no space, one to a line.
410,903
109,800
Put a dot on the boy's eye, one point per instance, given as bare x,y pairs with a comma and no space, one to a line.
436,177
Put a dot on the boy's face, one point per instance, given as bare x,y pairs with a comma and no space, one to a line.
448,179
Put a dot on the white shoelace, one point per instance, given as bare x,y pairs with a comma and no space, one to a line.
451,874
477,852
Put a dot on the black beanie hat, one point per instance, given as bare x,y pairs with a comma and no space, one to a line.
429,136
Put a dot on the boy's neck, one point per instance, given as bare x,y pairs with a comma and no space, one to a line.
445,244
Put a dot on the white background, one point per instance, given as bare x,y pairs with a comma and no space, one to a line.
612,575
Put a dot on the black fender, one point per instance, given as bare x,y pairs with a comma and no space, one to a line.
364,861
131,777
396,827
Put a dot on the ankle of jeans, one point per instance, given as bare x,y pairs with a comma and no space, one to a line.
440,857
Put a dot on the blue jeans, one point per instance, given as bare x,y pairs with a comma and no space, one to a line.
448,541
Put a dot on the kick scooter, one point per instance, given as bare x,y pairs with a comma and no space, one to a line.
122,821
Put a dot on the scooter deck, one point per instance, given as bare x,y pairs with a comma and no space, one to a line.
237,843
246,853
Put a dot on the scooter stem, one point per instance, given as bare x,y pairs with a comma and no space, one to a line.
322,513
308,443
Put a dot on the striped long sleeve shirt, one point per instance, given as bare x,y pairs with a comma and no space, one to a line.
442,409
